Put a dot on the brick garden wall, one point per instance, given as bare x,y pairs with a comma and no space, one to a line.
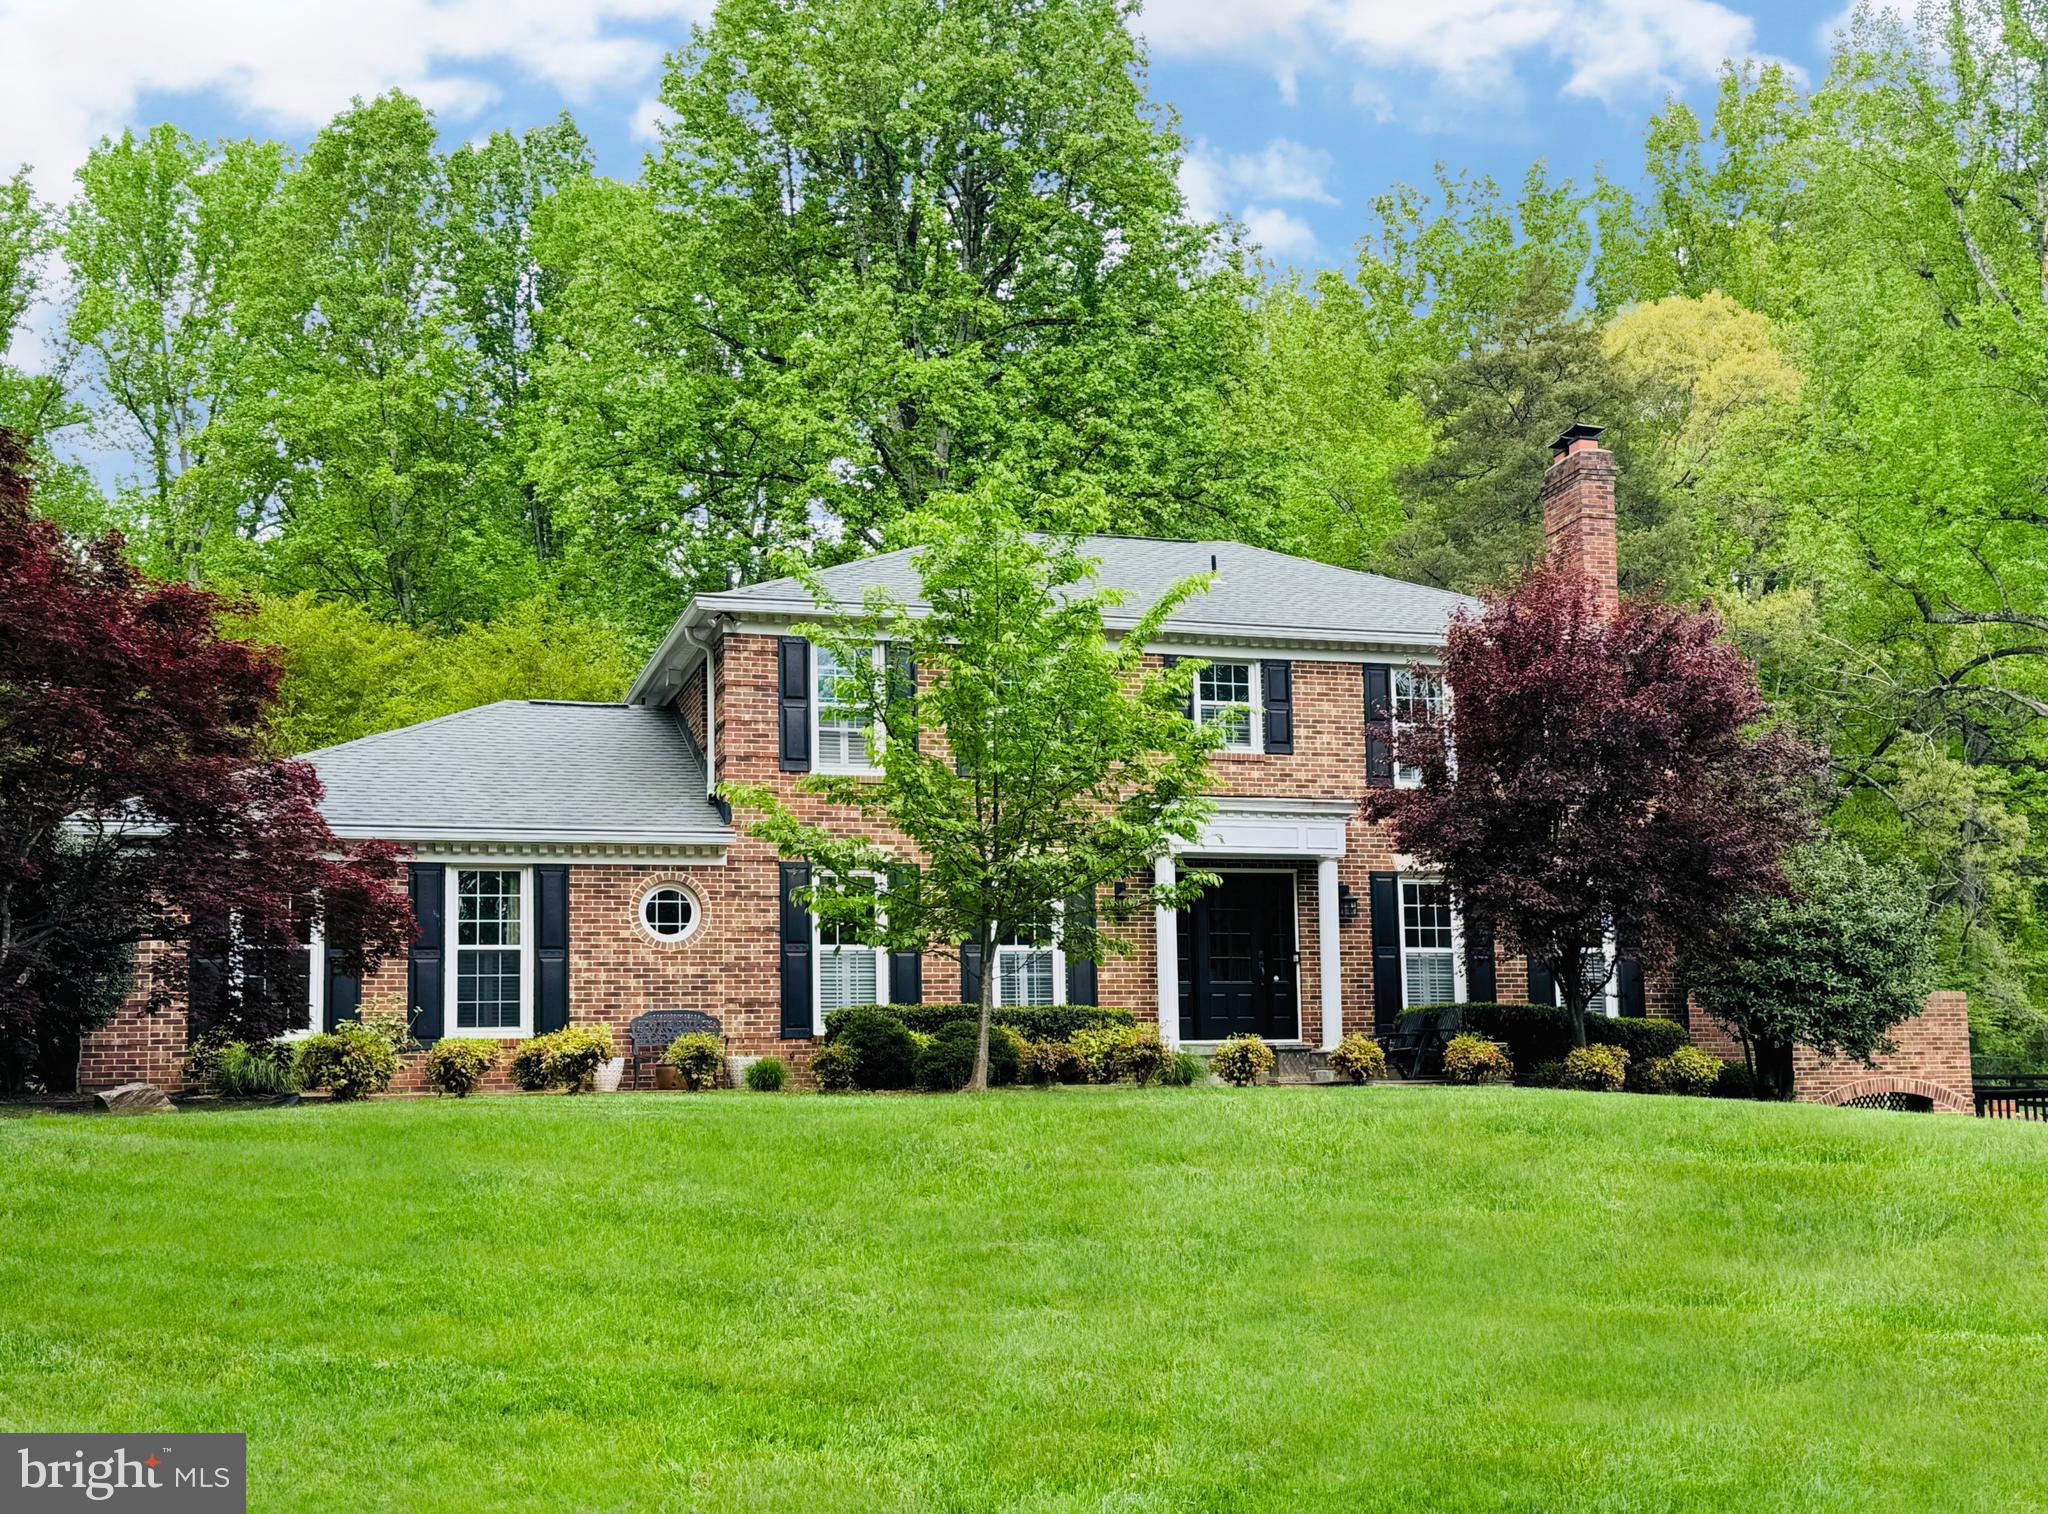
1931,1059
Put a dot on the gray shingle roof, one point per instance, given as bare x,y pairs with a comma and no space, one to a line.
1257,592
523,769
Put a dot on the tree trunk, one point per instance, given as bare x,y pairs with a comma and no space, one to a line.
978,1083
1774,1070
1570,975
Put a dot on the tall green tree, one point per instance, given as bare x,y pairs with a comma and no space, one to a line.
40,406
499,286
882,251
1027,759
155,239
357,435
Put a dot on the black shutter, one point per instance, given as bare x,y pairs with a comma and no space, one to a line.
1379,725
903,683
1479,986
906,968
1278,678
551,949
797,990
1080,970
1628,985
1542,987
970,972
206,974
1385,889
1171,660
425,977
793,706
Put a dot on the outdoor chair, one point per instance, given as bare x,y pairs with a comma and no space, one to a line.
649,1035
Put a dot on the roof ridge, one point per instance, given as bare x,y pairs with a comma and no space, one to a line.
400,730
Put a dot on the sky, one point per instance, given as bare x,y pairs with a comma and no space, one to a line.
1297,112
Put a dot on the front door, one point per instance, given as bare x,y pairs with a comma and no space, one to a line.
1237,960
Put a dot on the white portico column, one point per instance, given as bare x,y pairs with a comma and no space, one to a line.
1166,933
1331,973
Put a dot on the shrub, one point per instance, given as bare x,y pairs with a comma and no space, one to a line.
384,1016
1096,1050
884,1055
457,1065
1242,1060
1735,1082
1034,1022
350,1062
767,1075
566,1058
698,1056
1474,1059
1050,1062
832,1066
1598,1069
252,1072
1542,1075
1359,1058
1141,1057
1183,1069
202,1057
946,1064
1687,1070
1539,1033
1643,1040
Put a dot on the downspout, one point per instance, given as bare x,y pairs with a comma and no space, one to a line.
704,639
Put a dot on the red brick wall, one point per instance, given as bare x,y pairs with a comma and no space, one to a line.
1931,1059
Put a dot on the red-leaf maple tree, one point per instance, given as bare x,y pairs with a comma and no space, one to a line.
1599,776
137,797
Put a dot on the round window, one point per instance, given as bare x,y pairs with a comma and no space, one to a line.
668,912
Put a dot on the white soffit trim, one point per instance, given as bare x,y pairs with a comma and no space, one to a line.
1255,827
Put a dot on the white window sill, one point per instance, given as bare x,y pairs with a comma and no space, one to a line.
495,1033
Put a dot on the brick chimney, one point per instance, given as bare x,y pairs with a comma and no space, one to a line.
1578,513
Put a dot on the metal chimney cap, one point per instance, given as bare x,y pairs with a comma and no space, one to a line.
1577,431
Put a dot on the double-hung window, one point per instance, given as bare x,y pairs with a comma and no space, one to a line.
850,971
844,741
1029,969
1227,695
1429,943
490,960
1418,699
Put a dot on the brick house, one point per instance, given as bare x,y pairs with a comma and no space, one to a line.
570,862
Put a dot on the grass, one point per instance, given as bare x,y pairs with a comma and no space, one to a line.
1086,1299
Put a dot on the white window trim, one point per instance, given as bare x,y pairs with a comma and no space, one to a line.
696,912
1255,718
316,984
818,964
817,703
451,1011
1408,775
1457,935
1059,969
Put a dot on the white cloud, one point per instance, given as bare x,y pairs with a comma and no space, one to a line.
1279,233
1609,50
81,67
649,117
1825,35
1213,182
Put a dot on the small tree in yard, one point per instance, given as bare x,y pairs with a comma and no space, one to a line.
1834,965
1597,776
1025,756
137,802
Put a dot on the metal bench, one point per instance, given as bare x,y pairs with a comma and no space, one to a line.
650,1034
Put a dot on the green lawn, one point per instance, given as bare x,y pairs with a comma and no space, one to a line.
1167,1299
